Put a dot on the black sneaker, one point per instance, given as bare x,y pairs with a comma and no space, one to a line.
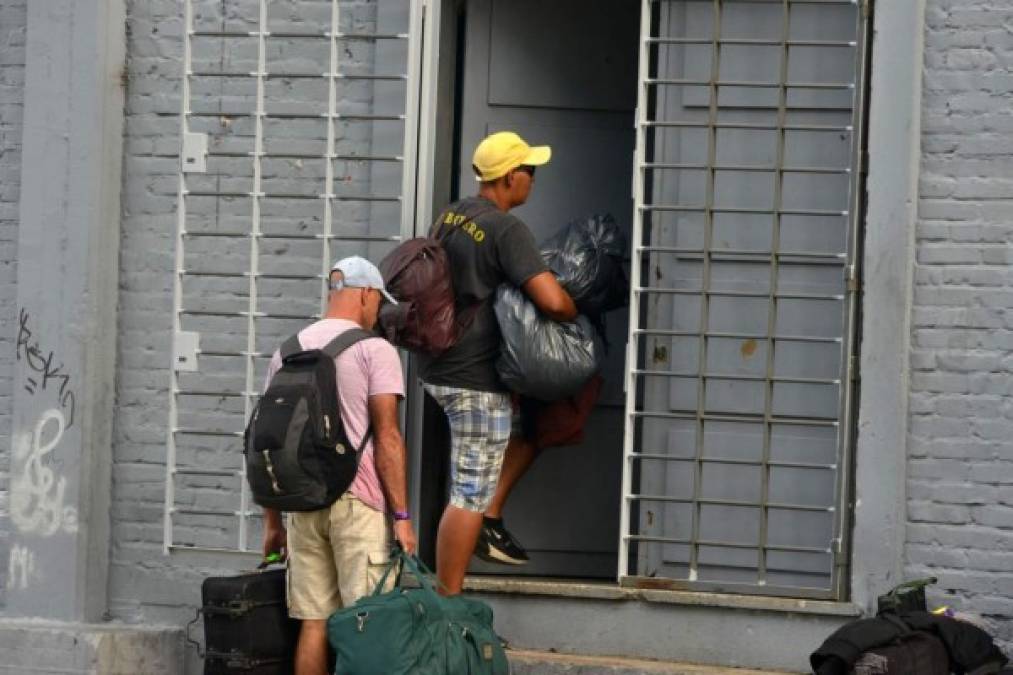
496,545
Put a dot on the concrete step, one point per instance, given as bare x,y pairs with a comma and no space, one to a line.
527,662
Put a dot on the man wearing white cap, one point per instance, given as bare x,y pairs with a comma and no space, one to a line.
487,246
337,555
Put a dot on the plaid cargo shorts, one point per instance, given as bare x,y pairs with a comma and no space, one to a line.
480,424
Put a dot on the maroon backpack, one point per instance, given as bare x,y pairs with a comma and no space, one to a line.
417,274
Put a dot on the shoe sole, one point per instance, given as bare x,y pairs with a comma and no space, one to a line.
493,556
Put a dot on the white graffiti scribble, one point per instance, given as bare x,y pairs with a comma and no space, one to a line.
21,568
37,494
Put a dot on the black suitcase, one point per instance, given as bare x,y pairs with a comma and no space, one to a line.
246,625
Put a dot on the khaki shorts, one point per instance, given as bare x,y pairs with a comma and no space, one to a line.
335,556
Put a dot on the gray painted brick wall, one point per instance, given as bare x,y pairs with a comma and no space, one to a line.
13,21
145,585
960,511
960,472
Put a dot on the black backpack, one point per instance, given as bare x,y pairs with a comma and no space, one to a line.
298,456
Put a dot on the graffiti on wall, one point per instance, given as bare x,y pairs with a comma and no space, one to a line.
45,373
20,568
37,491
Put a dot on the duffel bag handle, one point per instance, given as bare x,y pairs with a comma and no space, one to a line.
911,585
394,562
414,565
906,596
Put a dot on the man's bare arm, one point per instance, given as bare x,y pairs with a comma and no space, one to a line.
275,537
550,298
390,457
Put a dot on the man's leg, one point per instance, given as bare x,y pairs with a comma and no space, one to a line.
495,543
479,432
361,539
520,454
455,543
313,592
311,653
349,544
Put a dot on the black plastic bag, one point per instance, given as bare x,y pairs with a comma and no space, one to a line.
587,256
542,358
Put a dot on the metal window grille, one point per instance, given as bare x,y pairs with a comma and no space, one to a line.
746,188
299,123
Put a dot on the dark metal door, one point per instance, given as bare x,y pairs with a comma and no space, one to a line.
559,74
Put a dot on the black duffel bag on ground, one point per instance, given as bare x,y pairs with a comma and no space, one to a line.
914,653
968,648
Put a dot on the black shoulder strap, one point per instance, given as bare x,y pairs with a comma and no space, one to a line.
464,318
340,344
346,340
291,346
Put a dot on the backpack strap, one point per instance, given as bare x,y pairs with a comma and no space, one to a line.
346,340
365,439
340,344
290,346
467,316
439,233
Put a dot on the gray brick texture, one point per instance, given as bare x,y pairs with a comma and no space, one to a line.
960,471
13,20
960,512
145,584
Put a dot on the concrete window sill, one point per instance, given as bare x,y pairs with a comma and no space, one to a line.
612,591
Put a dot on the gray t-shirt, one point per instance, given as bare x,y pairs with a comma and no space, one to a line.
486,247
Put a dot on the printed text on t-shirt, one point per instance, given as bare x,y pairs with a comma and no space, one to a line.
469,227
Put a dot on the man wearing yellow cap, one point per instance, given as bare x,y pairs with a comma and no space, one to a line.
487,246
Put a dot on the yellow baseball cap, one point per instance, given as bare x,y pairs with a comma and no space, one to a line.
499,153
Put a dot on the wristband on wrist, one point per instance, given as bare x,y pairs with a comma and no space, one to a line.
402,515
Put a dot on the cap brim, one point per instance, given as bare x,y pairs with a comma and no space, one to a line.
540,154
390,298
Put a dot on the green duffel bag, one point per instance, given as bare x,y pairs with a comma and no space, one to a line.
415,631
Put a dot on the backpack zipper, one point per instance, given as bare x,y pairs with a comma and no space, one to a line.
270,471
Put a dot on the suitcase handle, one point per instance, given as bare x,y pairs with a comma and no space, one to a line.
195,643
272,559
237,608
242,663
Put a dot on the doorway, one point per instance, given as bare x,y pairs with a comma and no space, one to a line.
743,220
561,76
564,76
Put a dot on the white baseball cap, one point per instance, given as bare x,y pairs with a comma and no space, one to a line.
358,272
